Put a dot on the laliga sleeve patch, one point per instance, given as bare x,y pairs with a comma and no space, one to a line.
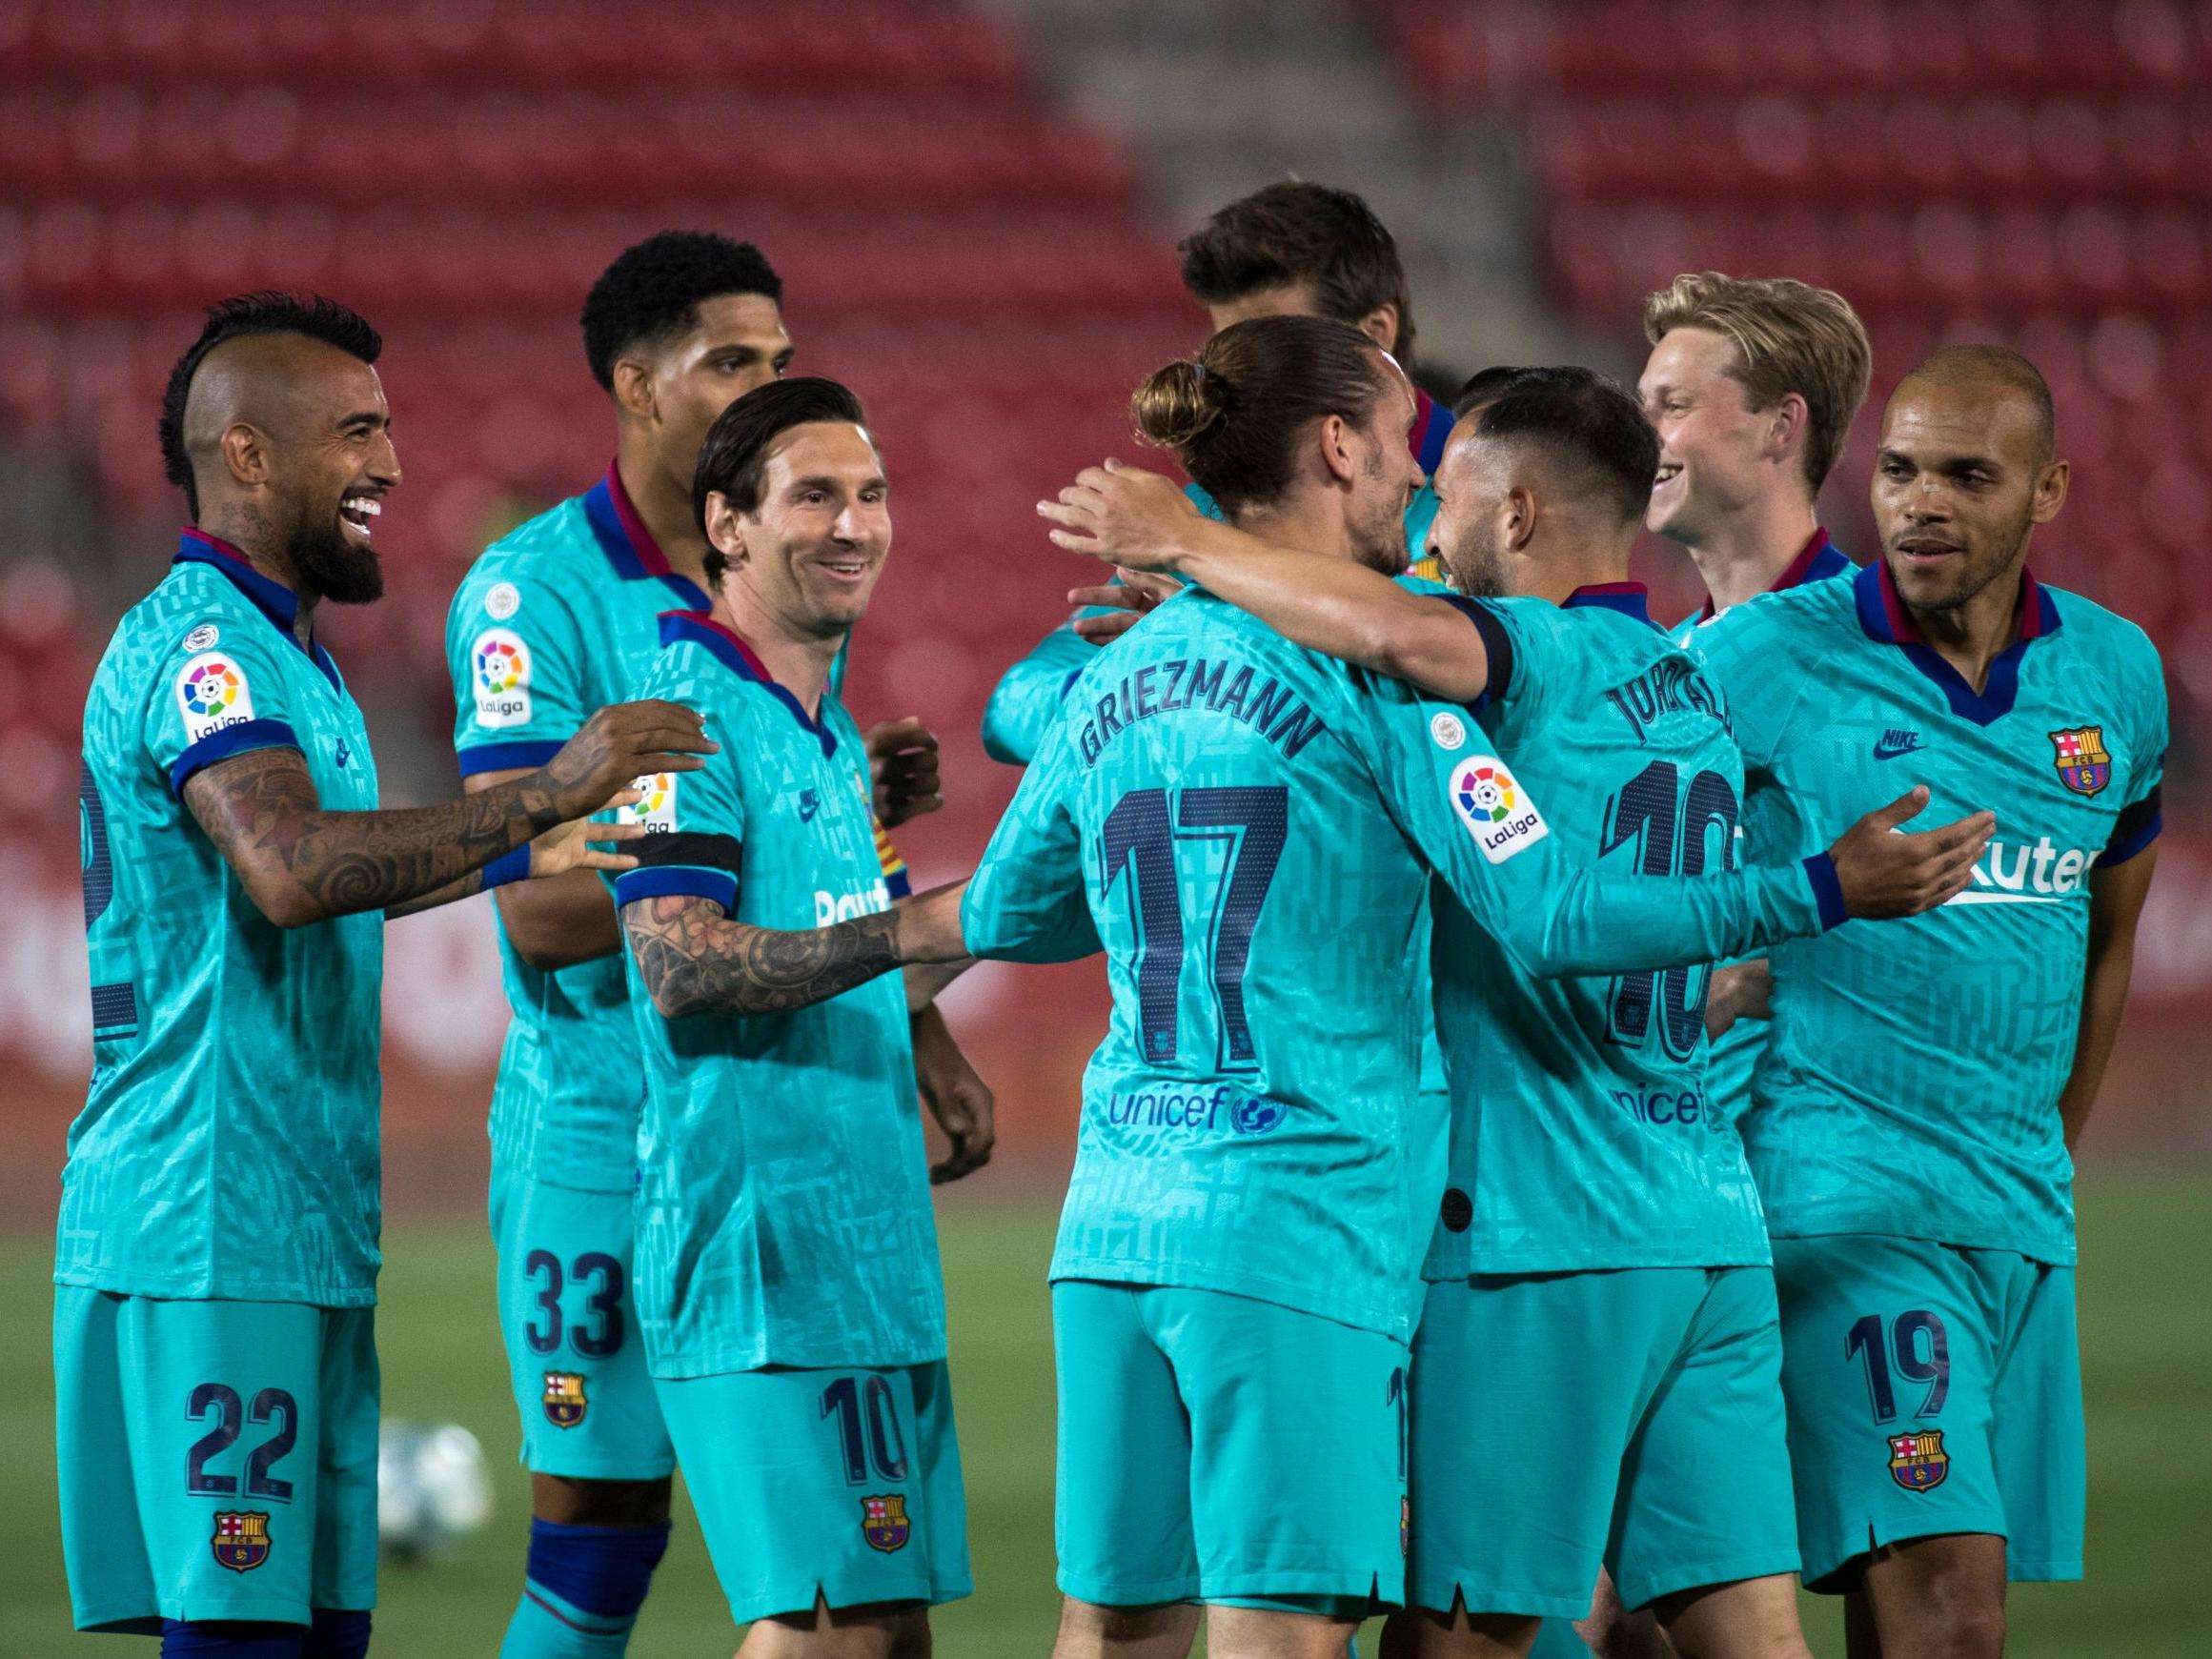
500,662
211,693
655,810
1498,812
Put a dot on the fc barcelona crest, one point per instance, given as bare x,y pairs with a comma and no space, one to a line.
565,1399
2083,766
883,1521
1918,1461
241,1539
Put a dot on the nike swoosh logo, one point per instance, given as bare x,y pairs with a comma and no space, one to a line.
1885,752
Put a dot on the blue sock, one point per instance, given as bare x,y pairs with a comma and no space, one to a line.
230,1639
584,1589
337,1634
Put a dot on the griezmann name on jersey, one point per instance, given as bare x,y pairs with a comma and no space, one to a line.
783,1210
1911,1081
228,1148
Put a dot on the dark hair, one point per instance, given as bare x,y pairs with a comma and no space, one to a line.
263,312
650,294
1585,421
1488,385
1297,232
1234,414
1995,365
733,462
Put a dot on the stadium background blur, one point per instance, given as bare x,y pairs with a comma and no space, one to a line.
974,209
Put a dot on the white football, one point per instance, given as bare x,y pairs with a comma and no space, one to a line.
433,1487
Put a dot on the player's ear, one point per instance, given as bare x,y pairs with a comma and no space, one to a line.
1786,424
2050,494
725,527
1381,326
633,389
1335,445
1517,518
245,452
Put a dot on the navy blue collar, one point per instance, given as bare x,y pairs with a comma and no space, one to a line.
732,652
630,547
270,596
1884,614
1818,559
1629,598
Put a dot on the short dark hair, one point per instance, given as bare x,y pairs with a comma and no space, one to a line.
1297,231
1488,385
1998,365
651,291
1587,422
733,462
1234,414
263,312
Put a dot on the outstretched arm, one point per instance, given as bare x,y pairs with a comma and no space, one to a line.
300,863
1138,519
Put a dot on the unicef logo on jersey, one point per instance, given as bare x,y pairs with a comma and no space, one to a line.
1195,1111
1255,1114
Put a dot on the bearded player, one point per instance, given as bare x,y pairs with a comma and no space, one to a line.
217,1250
556,616
1912,1113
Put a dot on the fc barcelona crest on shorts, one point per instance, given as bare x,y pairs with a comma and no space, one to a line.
241,1539
1918,1461
883,1521
565,1399
2083,766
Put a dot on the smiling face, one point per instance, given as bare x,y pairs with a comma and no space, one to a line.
333,462
1474,510
1711,440
739,343
1963,477
1386,480
811,554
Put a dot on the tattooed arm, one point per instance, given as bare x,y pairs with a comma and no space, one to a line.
300,863
695,960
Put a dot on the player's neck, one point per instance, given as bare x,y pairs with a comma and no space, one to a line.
1308,521
1746,554
246,527
1558,572
663,506
798,661
1973,635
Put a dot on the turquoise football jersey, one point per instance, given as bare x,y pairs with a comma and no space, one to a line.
1249,831
555,621
1911,1079
1736,1053
227,1145
1582,1133
783,1212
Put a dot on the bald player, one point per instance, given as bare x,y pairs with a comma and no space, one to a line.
216,1255
1913,1112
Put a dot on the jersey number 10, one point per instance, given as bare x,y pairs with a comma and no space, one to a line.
1672,827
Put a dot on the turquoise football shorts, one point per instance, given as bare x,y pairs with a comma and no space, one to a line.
1931,1389
1215,1448
1562,1421
841,1484
575,1354
218,1459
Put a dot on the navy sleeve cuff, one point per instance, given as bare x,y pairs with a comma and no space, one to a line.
1496,643
506,757
685,879
2131,840
1828,889
900,883
220,745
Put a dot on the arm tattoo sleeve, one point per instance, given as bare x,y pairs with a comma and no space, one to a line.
261,811
696,962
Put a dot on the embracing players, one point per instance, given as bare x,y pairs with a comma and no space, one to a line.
1914,1108
218,1247
556,618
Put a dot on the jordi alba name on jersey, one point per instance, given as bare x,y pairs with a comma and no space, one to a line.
1912,1079
783,1215
1581,1133
228,1144
555,621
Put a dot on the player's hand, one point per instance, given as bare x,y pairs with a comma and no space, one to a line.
1128,602
902,763
618,743
960,1100
1885,873
1739,991
929,929
575,845
1122,515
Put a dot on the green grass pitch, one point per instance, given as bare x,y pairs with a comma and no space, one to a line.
2147,1344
